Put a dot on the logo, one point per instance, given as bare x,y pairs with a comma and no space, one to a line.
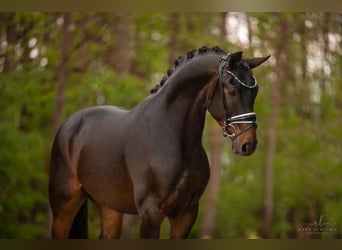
317,227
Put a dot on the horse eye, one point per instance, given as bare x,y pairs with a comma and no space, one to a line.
231,92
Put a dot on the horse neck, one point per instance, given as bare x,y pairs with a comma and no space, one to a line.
189,79
186,93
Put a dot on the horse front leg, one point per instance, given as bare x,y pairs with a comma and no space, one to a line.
151,217
181,224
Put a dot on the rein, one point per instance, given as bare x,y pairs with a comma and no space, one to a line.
230,121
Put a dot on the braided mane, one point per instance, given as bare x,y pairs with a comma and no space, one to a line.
182,59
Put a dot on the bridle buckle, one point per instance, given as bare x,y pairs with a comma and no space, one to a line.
225,130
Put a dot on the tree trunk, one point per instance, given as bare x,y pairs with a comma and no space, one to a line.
280,57
250,33
83,53
122,44
11,38
62,73
212,190
173,41
303,45
325,49
222,27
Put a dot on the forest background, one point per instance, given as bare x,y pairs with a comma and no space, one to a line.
54,64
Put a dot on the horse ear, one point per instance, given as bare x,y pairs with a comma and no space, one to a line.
234,59
256,61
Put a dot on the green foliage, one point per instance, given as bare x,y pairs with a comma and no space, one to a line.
24,149
102,86
307,166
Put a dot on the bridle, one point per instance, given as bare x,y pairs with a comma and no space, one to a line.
229,120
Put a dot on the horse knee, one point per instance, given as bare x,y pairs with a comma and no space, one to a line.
151,217
150,226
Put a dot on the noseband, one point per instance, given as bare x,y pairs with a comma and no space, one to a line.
229,120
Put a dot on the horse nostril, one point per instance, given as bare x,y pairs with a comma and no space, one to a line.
246,147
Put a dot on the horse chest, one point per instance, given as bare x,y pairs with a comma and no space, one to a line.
186,193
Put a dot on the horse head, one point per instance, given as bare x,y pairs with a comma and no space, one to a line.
232,99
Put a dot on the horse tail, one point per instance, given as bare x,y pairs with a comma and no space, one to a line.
79,228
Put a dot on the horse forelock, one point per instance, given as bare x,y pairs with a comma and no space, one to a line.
181,60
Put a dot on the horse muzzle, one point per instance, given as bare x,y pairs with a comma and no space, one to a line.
245,148
241,129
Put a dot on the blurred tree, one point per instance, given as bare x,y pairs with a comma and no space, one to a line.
62,70
11,39
122,42
305,70
281,50
212,190
173,40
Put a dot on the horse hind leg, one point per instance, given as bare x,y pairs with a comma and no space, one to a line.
63,218
111,222
68,204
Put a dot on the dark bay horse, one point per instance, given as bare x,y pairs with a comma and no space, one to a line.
150,161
